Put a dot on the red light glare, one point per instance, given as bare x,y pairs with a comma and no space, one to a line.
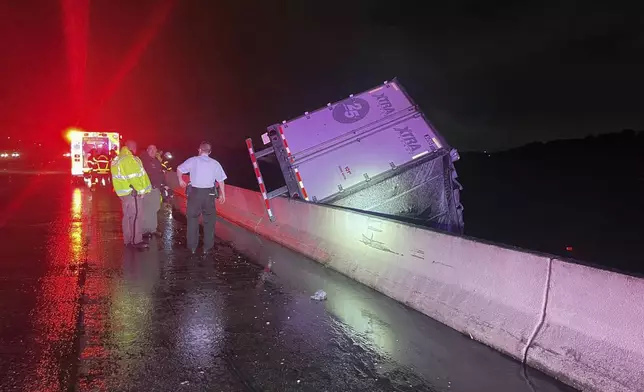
70,133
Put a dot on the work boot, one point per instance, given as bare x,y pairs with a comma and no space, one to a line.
152,234
140,245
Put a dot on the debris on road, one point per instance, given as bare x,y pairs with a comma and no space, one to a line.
319,295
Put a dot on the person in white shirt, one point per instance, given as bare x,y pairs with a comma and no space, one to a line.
206,185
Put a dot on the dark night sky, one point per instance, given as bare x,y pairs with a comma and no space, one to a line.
489,75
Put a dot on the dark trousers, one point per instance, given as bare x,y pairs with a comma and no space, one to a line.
150,207
201,202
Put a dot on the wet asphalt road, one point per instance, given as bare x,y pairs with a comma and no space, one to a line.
80,312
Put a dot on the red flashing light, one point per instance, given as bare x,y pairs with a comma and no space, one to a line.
71,132
569,248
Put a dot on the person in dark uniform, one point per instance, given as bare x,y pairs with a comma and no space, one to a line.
206,185
152,203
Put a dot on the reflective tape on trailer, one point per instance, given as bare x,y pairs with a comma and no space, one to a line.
260,179
288,150
290,158
301,184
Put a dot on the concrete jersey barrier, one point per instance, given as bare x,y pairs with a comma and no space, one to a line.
580,324
593,329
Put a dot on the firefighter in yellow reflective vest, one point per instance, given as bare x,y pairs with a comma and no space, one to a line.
131,184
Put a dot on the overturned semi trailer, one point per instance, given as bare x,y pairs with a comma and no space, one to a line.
374,151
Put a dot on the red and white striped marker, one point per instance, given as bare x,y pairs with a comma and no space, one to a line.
288,150
260,179
297,172
301,184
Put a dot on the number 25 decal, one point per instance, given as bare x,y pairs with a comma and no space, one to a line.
351,110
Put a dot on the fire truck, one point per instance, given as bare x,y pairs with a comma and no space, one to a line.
83,144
